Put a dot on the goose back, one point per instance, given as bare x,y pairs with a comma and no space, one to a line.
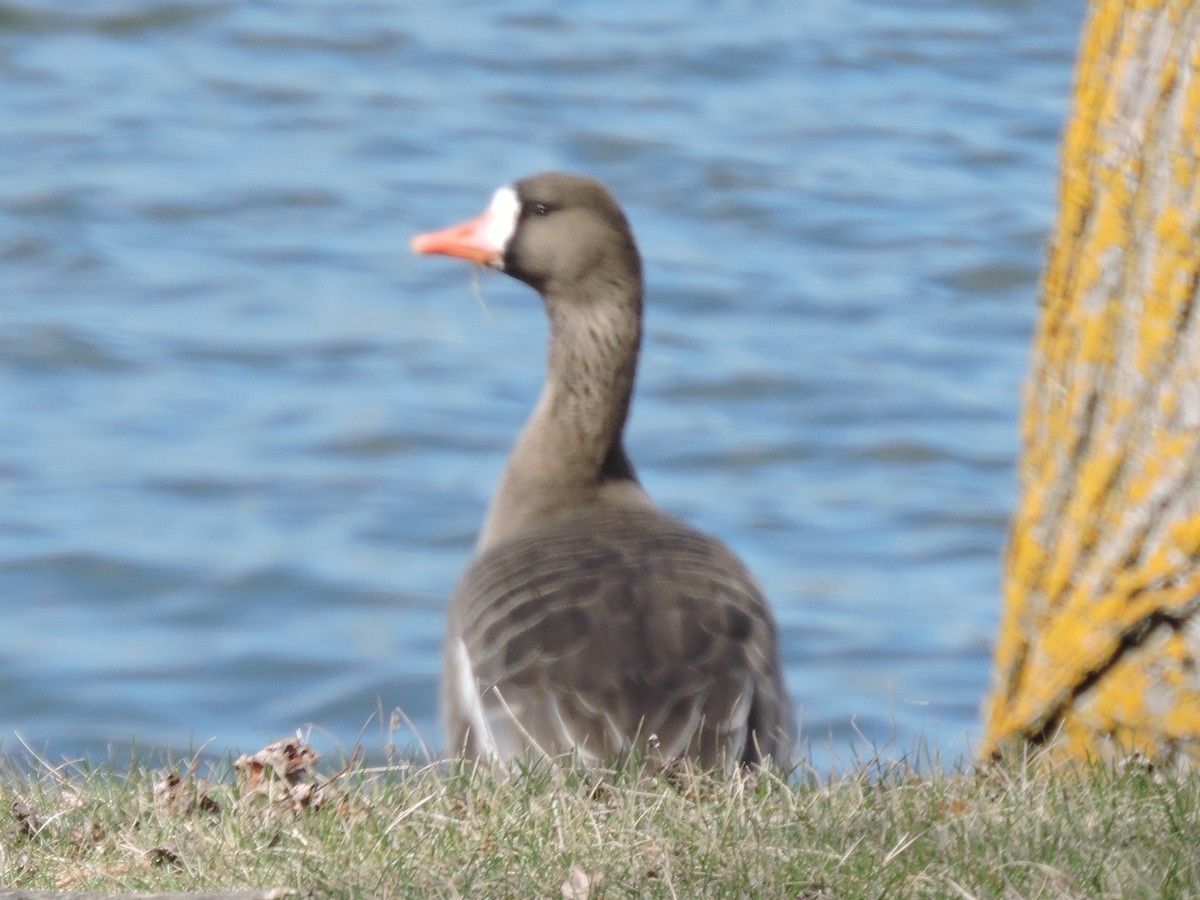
606,631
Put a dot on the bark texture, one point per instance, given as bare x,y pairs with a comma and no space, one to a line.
1099,643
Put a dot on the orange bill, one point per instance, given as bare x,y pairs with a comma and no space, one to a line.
469,240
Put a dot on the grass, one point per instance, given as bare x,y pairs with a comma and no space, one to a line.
553,831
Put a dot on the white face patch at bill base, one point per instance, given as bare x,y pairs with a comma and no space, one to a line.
502,214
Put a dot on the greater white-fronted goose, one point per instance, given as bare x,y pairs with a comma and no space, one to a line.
590,622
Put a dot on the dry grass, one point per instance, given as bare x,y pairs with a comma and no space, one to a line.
441,831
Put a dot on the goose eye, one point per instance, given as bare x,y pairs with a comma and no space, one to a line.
539,209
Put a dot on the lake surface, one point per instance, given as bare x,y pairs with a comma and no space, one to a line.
246,438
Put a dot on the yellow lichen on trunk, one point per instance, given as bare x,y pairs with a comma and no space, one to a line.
1099,643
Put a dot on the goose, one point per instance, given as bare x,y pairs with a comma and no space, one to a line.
589,623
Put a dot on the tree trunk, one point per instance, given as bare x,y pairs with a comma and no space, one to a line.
1100,639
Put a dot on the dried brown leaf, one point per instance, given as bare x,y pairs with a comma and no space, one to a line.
579,884
290,759
29,821
169,789
161,856
184,795
306,794
81,837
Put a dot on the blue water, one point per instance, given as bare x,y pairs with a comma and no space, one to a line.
246,438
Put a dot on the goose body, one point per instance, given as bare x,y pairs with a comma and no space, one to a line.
589,622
